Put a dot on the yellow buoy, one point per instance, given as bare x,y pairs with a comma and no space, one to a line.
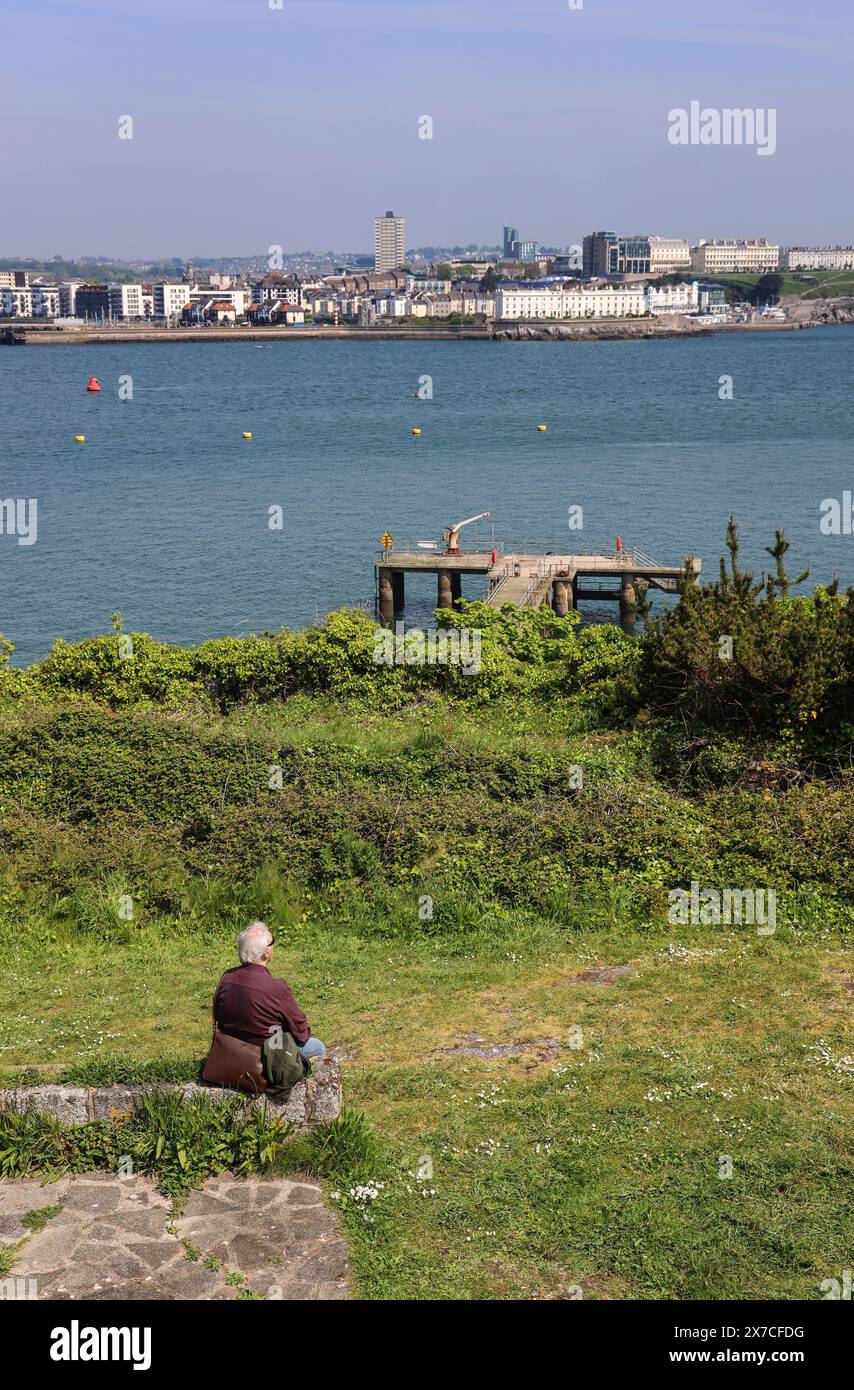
247,434
416,431
80,439
542,428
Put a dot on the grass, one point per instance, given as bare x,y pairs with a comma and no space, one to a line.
812,284
36,1220
515,1128
552,1167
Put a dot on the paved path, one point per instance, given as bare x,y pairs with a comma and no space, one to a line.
113,1238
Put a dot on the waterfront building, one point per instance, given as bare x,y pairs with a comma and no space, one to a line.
236,298
713,300
667,254
169,300
474,300
16,302
68,298
389,242
819,258
595,252
45,301
573,301
606,253
125,301
429,284
14,279
681,298
284,288
92,302
735,257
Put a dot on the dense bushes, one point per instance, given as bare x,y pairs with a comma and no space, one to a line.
225,781
750,658
517,651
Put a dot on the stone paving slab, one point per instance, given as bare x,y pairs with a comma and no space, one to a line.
113,1238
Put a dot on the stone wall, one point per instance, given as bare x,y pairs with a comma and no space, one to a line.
311,1102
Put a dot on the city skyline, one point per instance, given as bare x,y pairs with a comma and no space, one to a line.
561,125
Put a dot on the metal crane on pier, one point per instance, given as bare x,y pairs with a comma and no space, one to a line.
452,534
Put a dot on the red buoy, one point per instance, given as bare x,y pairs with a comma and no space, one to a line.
94,384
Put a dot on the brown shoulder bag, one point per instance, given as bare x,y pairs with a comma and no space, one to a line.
234,1063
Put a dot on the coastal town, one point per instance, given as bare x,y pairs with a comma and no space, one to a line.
609,276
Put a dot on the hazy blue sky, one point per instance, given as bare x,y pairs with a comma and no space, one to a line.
297,126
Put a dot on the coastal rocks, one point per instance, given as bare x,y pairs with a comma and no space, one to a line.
815,311
664,326
311,1102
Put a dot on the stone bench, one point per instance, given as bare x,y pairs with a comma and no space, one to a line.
311,1102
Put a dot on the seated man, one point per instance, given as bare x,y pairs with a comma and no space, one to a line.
253,1005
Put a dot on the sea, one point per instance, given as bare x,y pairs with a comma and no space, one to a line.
169,515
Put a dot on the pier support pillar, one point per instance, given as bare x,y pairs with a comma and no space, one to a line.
560,598
446,596
456,585
397,588
628,600
386,596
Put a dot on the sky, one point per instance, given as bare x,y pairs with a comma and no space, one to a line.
256,126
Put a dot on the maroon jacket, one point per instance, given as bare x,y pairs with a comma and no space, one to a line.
249,1002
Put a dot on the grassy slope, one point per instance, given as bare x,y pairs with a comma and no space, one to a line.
823,284
596,1165
718,1043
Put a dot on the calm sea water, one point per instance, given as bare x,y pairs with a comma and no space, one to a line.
163,512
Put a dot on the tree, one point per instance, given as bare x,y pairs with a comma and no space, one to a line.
748,656
445,272
489,280
767,289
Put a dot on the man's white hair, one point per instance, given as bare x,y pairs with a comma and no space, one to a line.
252,943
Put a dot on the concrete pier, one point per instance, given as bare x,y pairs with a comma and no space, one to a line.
529,580
628,601
562,597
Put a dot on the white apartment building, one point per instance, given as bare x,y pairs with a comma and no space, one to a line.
667,254
819,258
428,284
683,298
735,257
30,301
202,294
68,298
605,301
169,300
393,306
389,242
126,301
284,288
45,301
17,302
